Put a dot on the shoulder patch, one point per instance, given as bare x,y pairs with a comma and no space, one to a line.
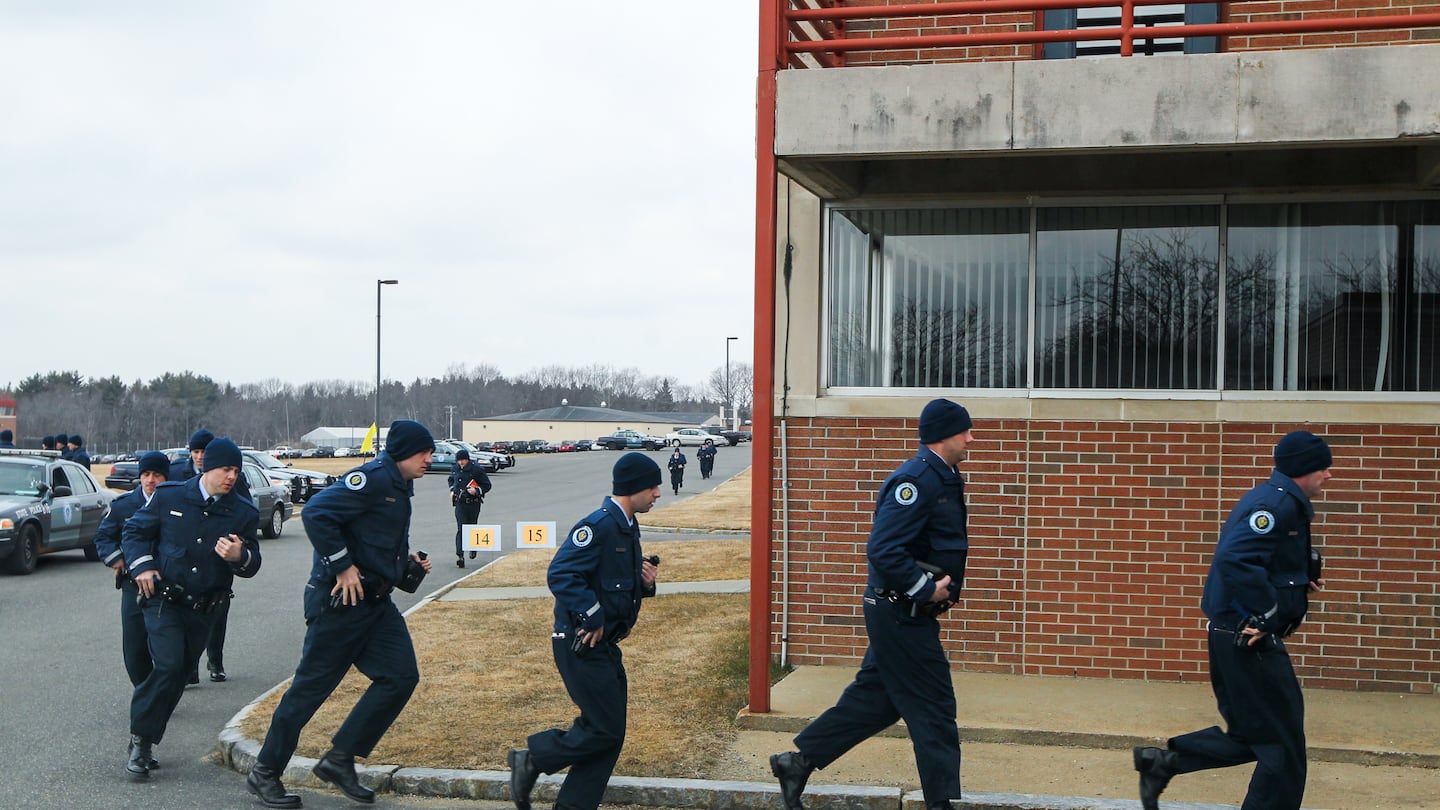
582,536
1262,521
906,493
355,481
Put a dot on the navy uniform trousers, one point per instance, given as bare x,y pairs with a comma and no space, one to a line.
1257,694
589,748
176,638
904,675
373,637
465,513
134,641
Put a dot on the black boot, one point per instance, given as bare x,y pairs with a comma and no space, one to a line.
459,560
1156,766
523,774
217,673
138,763
792,769
265,784
338,768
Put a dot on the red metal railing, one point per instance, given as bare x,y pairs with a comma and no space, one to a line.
820,31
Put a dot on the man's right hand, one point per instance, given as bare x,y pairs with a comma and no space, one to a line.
347,585
145,581
942,589
119,564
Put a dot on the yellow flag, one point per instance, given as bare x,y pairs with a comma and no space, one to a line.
368,445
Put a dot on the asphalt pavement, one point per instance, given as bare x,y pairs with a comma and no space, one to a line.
64,691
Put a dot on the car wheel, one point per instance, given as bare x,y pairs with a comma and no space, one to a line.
676,442
27,551
275,525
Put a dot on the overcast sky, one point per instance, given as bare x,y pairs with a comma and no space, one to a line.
215,186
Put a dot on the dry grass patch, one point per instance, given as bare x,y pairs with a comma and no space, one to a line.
680,561
726,507
488,681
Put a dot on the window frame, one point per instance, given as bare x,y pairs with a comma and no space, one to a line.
1029,391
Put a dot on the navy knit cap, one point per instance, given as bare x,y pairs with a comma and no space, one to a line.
634,472
77,441
155,461
942,419
1300,453
407,437
201,439
61,438
222,453
462,453
47,441
7,435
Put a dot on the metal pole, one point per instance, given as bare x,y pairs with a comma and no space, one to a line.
728,397
378,284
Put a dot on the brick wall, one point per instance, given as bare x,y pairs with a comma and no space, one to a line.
1239,11
1090,542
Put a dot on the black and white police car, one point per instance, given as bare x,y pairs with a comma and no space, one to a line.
46,505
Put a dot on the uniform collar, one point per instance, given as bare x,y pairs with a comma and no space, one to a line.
933,459
388,464
609,505
1286,484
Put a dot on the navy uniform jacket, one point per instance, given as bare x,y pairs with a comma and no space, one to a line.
363,519
705,452
79,456
677,460
1261,564
920,515
461,478
175,534
107,537
595,575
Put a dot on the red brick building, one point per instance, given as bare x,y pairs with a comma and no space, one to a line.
1140,243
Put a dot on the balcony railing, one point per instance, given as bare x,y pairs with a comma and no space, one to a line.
818,33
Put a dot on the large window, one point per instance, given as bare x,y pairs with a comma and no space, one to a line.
1303,297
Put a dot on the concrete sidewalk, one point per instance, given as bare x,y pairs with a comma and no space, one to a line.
1029,743
1071,737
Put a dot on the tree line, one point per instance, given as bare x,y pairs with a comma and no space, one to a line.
115,416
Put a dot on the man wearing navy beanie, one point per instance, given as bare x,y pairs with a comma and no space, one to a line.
184,582
7,438
916,554
360,528
597,600
1256,594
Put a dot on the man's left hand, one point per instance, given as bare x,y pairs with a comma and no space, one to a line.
230,548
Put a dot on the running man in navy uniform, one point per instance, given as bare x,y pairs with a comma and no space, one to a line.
468,485
134,644
598,578
1256,594
920,520
183,549
706,455
360,528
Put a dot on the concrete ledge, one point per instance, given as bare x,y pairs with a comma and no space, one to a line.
1027,801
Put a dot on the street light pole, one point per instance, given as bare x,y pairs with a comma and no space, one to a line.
727,381
378,284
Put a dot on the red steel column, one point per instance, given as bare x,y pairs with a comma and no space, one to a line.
763,408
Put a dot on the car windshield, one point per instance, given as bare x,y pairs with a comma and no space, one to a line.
21,479
265,460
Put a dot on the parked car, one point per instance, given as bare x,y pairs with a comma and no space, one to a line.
630,440
123,475
723,436
489,462
272,498
302,483
47,505
565,446
582,445
540,446
346,452
692,437
443,458
285,451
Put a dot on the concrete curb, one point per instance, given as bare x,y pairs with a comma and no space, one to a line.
644,529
